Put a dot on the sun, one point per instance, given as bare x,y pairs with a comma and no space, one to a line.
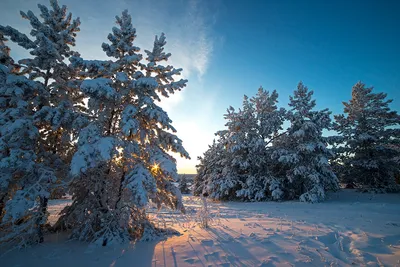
155,167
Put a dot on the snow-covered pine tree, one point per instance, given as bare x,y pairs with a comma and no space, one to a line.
213,167
24,181
368,152
58,117
6,66
239,143
302,152
122,160
238,165
230,154
260,183
205,169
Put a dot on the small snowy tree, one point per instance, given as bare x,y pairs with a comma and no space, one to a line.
122,162
302,151
368,146
183,184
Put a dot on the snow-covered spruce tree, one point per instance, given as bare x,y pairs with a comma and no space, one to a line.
368,149
122,163
25,181
302,151
260,183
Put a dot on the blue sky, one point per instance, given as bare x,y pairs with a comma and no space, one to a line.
229,48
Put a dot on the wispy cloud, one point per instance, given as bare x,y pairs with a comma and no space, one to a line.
187,25
196,43
187,28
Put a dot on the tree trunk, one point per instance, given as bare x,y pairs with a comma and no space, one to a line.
120,190
40,220
2,204
110,122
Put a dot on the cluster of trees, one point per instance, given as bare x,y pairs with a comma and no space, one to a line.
91,126
255,158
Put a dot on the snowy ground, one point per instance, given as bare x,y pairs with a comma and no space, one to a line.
348,229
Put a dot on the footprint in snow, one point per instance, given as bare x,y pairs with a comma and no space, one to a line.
229,239
231,258
207,242
211,255
191,261
267,264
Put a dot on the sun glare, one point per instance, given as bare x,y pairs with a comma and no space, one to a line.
155,167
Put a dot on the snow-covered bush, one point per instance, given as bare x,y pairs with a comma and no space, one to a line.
203,214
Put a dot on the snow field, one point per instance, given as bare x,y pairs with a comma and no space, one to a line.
349,229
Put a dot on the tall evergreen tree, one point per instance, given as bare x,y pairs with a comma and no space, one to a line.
260,182
23,178
242,128
368,151
122,160
58,116
303,154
